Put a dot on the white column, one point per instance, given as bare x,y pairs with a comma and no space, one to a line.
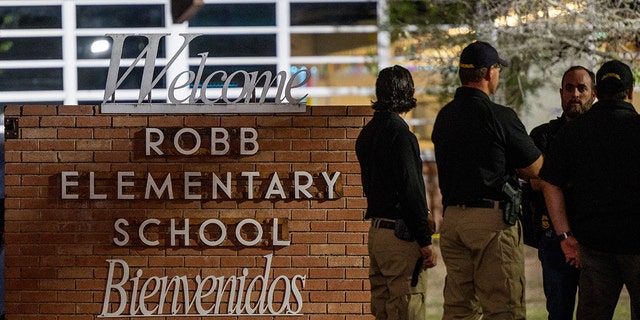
384,37
69,53
283,36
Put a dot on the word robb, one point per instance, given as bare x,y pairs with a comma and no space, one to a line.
220,141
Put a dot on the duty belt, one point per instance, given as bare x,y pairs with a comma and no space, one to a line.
383,223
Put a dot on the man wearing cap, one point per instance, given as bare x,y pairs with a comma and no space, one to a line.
595,160
480,148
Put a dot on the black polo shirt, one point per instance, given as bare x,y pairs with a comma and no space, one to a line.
596,160
391,172
542,136
478,146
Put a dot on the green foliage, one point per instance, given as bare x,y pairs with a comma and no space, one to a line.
6,45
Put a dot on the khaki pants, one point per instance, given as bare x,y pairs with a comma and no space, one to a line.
484,258
391,264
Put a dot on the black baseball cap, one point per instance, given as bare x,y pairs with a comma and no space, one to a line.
614,76
480,54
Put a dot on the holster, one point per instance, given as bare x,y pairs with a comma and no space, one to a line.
513,207
402,231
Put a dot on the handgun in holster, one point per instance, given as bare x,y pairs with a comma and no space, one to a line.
512,208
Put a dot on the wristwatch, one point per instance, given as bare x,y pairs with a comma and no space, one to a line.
565,235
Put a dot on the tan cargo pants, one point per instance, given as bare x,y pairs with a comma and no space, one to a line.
484,258
391,265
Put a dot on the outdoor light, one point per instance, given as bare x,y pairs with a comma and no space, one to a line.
100,46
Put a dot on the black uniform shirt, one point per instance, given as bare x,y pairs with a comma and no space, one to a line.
391,171
595,158
478,145
542,136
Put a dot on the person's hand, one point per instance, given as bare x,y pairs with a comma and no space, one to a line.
571,251
429,257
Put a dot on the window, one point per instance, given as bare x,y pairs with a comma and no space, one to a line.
338,13
235,15
252,45
335,39
337,75
31,48
333,44
31,79
31,17
94,47
120,16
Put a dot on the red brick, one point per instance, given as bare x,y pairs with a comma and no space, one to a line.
34,133
293,156
93,121
75,133
44,110
310,121
199,121
309,145
87,144
344,122
274,121
328,156
77,110
112,133
129,121
293,133
75,156
238,121
59,247
56,145
329,110
57,121
328,133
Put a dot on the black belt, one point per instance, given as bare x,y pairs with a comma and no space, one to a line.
482,203
385,224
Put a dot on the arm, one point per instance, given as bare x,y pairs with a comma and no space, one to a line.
554,198
531,172
412,195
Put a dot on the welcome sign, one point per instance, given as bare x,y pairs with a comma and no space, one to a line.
198,96
180,209
207,294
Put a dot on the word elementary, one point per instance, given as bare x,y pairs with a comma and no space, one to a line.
197,185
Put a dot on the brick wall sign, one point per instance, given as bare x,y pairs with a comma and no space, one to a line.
184,215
